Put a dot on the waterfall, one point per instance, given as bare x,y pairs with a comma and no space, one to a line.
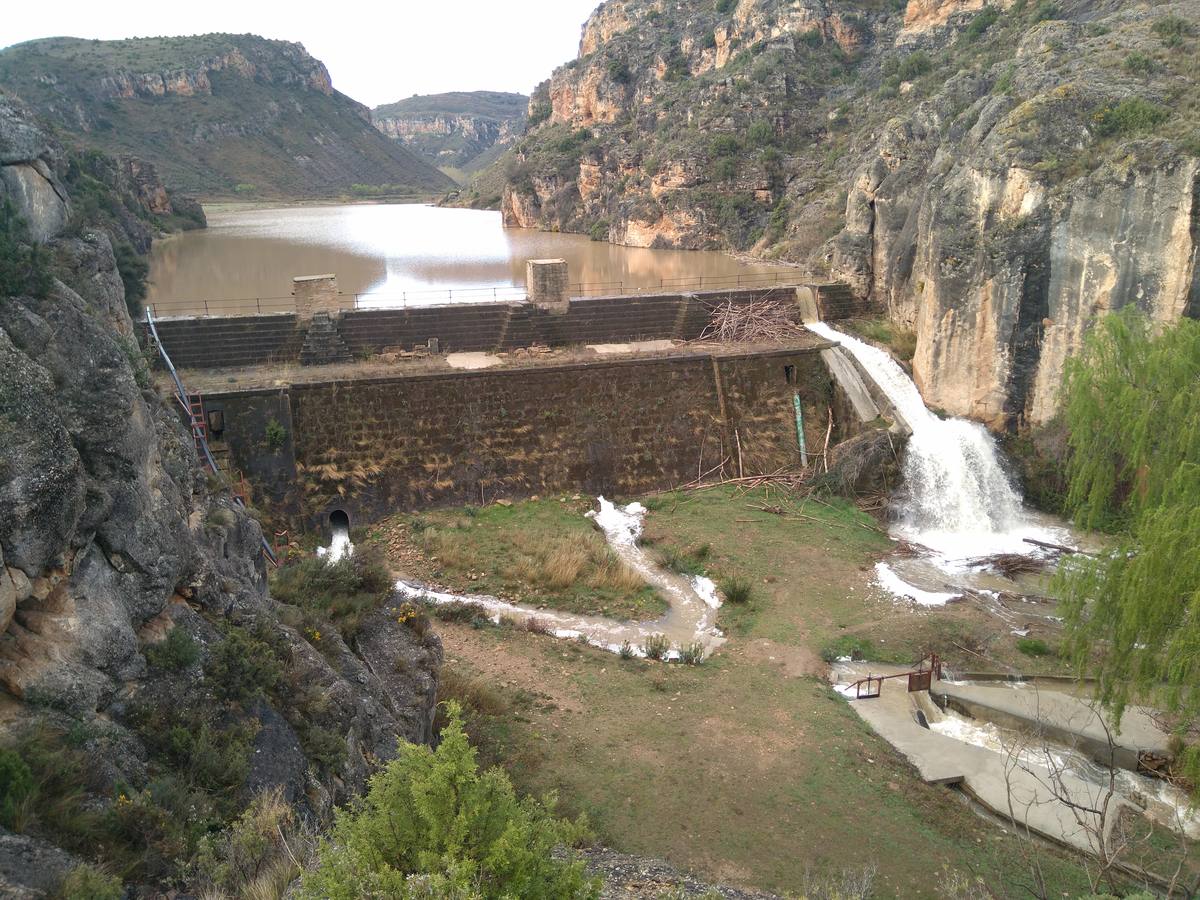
960,501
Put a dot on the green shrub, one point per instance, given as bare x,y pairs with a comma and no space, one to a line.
737,590
241,667
433,825
724,6
812,38
724,145
761,134
24,266
343,591
618,71
983,20
855,648
1004,84
1128,117
599,230
1172,30
910,68
1033,647
133,269
252,851
656,646
1046,9
244,188
276,435
177,651
87,882
1138,63
692,654
626,650
684,562
16,787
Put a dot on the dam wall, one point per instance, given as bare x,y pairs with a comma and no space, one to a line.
373,447
209,342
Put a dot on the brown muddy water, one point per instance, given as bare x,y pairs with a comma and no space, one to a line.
403,254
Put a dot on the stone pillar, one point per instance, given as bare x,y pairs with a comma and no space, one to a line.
318,293
546,284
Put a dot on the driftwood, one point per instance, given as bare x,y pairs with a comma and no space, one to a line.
1058,548
1011,565
758,320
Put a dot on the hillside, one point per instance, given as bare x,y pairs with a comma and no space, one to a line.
989,175
219,115
460,132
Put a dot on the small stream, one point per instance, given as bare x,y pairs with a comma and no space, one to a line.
693,602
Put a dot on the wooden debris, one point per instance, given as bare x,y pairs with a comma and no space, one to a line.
758,320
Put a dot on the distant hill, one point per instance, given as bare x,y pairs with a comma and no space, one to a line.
220,115
460,132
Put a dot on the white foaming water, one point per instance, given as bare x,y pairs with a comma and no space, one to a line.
897,586
690,619
961,503
338,547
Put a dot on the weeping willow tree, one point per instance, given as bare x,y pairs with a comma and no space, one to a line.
1132,405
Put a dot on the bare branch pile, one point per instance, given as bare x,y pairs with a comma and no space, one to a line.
758,320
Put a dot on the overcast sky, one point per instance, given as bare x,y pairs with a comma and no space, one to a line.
376,52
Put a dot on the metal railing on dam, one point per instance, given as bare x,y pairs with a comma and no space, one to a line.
255,306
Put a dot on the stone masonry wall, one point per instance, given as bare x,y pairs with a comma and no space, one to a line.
374,447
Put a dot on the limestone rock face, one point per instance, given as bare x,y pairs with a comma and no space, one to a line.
990,175
111,537
1000,265
455,129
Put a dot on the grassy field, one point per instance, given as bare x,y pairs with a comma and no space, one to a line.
541,552
747,769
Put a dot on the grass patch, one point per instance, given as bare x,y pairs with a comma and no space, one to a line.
691,562
537,552
900,341
1034,647
848,646
737,590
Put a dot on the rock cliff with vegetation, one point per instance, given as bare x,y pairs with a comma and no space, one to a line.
991,175
151,689
218,115
459,132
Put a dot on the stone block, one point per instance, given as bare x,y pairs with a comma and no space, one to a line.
318,293
546,284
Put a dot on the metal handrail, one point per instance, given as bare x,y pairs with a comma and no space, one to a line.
181,395
370,299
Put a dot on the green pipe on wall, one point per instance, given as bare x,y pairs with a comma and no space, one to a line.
800,429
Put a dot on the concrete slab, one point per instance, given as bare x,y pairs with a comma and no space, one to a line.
1062,716
632,347
472,360
1011,784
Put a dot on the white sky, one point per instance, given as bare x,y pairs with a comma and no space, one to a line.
376,52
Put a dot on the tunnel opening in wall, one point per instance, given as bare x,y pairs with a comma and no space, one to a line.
339,522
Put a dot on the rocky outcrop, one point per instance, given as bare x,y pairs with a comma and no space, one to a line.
993,176
112,538
456,130
282,128
1001,239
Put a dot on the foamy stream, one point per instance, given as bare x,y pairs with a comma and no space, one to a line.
690,619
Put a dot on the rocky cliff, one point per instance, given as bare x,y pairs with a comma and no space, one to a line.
218,114
992,175
149,685
459,132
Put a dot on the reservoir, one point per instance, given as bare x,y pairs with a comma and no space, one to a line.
405,254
